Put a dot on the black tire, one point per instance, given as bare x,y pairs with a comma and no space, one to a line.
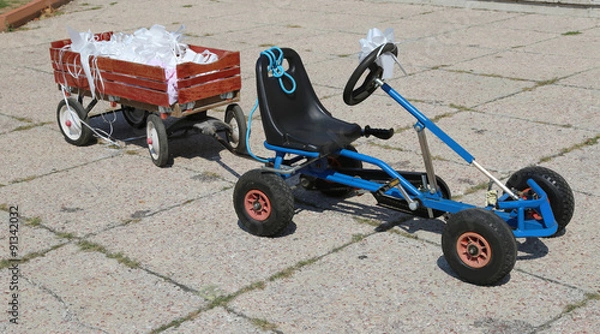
157,140
73,122
135,117
556,187
263,203
235,118
335,162
479,246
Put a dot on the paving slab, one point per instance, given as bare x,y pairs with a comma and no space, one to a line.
580,320
108,193
579,168
578,45
27,104
584,80
388,283
79,281
8,124
448,87
32,241
484,135
47,143
552,104
529,66
169,251
217,320
222,256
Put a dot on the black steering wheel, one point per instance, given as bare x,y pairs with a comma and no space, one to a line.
355,96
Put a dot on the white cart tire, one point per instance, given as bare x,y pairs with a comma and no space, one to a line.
73,122
157,140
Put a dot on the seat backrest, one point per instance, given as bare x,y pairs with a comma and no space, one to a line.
287,118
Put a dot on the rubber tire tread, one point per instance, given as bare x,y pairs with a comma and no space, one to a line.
556,187
495,231
235,111
132,122
279,194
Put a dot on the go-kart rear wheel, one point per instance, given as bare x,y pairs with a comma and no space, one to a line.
337,162
157,140
263,203
135,117
479,246
72,121
235,118
555,186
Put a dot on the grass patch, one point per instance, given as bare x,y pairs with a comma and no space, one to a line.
588,297
263,324
478,187
34,222
187,6
459,108
88,246
571,33
587,142
386,146
293,26
542,83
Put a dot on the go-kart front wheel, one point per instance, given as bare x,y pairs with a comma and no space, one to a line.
263,203
555,186
479,246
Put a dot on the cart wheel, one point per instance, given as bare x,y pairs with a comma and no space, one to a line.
479,246
234,116
556,187
156,137
263,202
72,120
135,117
337,162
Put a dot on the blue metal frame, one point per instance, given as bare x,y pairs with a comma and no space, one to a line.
510,210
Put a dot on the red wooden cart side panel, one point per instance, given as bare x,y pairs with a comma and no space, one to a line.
120,89
136,93
210,89
67,80
147,72
188,82
133,81
145,83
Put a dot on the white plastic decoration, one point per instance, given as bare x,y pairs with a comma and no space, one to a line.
375,38
155,47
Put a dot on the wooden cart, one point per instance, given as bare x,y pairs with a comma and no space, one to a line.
141,91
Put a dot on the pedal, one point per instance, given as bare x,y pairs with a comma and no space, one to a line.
379,133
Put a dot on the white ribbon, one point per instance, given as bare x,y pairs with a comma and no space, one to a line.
155,46
375,38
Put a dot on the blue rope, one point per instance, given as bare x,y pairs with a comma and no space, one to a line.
277,70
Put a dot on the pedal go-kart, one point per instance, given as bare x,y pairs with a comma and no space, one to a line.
478,242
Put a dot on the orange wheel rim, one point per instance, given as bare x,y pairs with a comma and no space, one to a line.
474,250
257,205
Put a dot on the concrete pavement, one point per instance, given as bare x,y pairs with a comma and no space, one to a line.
112,244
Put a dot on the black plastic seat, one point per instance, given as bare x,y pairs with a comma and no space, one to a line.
298,120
